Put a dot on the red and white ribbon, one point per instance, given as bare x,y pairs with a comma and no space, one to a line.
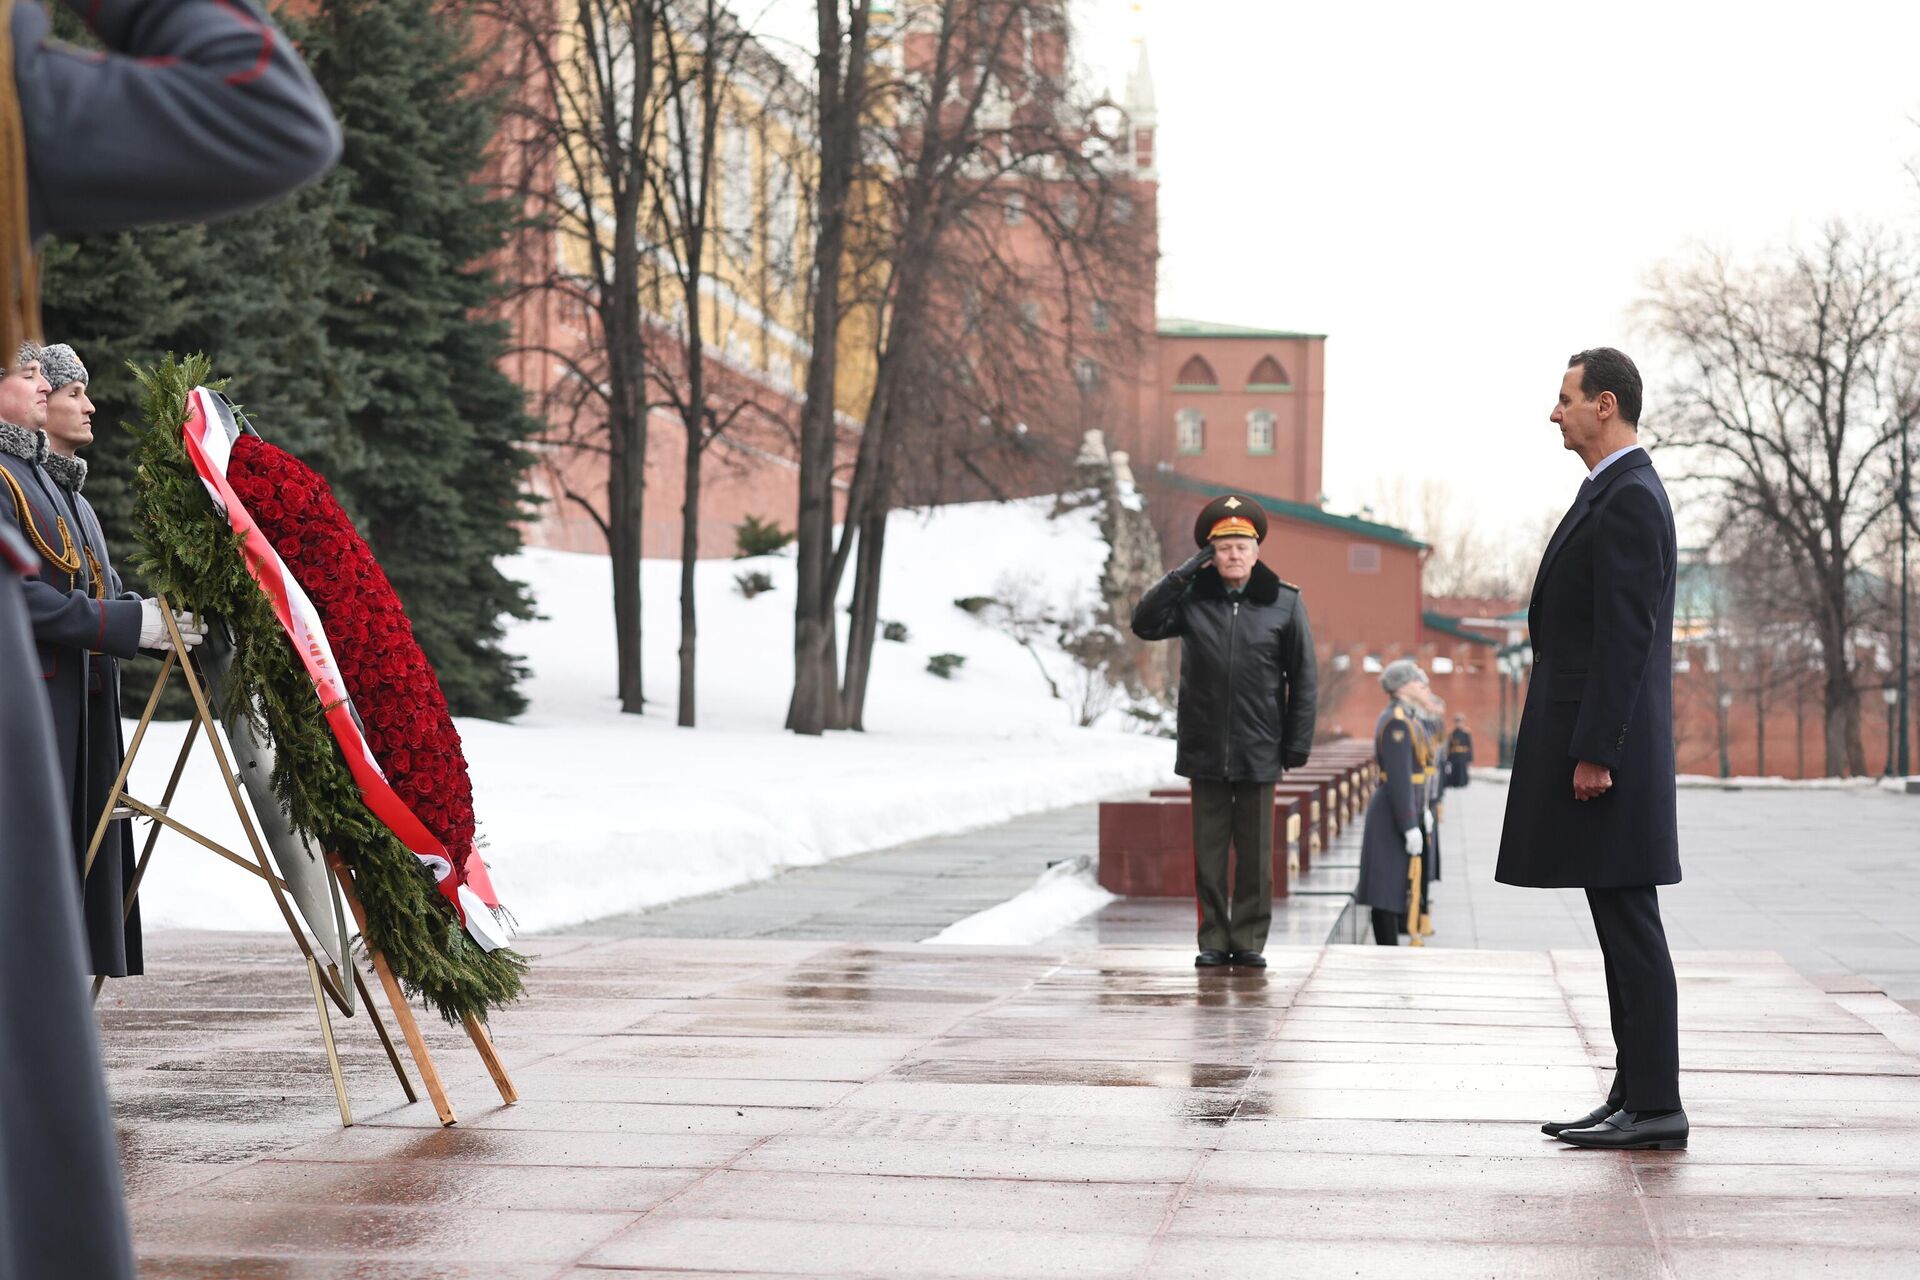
209,447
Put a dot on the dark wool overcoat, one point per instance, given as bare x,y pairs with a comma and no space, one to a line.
61,1211
1247,679
1395,809
1601,621
81,623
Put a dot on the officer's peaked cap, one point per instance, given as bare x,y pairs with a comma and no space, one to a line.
1231,515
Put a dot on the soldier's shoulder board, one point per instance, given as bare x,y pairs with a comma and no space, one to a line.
1288,585
1399,712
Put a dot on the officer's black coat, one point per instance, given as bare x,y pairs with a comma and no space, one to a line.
60,1195
1247,675
1601,621
78,631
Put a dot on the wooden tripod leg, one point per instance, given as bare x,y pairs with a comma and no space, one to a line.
326,1037
99,981
396,999
126,766
483,1044
386,1041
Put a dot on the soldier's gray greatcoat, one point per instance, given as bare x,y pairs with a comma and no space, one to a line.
81,624
1395,809
198,109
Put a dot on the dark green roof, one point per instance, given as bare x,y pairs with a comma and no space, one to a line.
1296,510
1446,624
1174,327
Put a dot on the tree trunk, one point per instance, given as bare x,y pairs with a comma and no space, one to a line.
626,478
690,520
841,97
864,627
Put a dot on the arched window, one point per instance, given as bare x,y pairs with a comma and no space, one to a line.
1260,431
1269,376
1196,375
1190,429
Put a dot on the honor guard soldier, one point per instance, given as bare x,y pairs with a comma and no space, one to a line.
1393,842
1247,701
193,109
1459,753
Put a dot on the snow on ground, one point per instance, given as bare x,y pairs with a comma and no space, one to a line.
588,813
1063,894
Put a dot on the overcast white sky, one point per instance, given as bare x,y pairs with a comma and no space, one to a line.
1462,194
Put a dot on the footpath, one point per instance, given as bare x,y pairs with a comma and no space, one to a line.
783,1081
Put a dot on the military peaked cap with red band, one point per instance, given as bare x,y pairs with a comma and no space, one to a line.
1230,516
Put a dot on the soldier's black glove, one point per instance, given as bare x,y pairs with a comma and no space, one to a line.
1195,563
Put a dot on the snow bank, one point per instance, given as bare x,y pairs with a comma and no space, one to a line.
587,813
1062,895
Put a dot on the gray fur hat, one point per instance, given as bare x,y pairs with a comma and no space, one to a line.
61,365
1400,674
27,354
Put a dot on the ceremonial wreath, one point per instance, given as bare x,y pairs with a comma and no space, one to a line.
368,763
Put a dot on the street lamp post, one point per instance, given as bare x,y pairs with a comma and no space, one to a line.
1906,605
1892,696
1726,705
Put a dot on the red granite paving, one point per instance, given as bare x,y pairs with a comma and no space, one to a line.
819,1109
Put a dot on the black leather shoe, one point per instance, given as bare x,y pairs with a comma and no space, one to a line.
1554,1128
1210,960
1621,1132
1248,959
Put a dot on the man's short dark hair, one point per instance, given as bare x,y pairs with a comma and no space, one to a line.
1606,369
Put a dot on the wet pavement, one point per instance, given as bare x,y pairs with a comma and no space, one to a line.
761,1108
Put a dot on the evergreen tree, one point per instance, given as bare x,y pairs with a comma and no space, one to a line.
437,482
347,322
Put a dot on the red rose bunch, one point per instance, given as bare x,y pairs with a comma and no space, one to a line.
402,709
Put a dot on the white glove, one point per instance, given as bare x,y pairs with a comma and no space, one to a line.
153,628
1414,845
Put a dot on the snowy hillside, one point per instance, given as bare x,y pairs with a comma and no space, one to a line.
587,813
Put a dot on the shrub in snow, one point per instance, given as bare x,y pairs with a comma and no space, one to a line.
945,664
974,604
894,631
756,537
752,584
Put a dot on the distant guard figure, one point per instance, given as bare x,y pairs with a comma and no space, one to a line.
1459,753
1591,801
1394,834
1247,701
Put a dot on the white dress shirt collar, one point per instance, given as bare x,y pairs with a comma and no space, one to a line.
1609,460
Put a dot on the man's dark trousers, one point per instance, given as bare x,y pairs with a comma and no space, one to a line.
1641,997
1236,817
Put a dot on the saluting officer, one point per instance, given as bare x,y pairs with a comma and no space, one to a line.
1395,832
1459,753
1247,700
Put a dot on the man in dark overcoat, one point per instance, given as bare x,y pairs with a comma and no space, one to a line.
1591,800
1395,831
1459,753
1247,700
81,622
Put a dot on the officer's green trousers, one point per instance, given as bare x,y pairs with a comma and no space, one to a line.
1233,863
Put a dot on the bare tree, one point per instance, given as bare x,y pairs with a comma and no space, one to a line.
580,146
1793,386
1002,233
842,97
718,84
